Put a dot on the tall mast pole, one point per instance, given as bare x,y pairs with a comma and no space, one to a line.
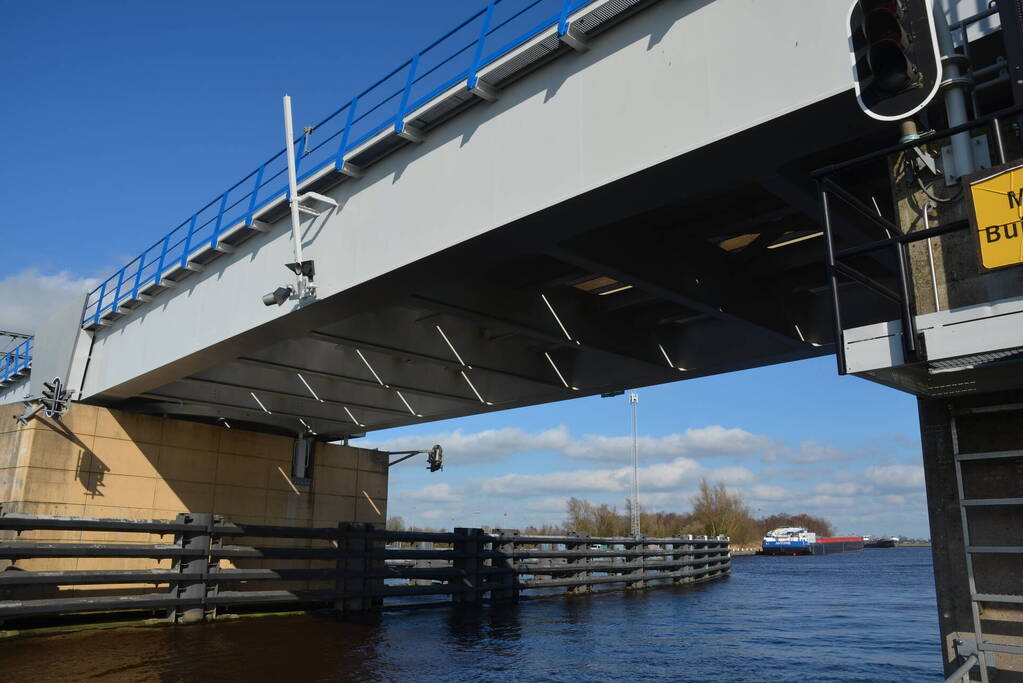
634,508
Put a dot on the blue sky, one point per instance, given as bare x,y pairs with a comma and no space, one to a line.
121,119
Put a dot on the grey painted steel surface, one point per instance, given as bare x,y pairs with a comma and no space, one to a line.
57,343
565,129
16,391
975,336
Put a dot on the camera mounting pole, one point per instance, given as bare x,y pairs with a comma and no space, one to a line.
303,270
434,459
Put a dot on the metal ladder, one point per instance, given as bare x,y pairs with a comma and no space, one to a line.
978,655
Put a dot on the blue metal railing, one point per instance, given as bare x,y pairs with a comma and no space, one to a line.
456,57
16,360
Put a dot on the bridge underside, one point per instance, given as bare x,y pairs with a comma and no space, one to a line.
707,263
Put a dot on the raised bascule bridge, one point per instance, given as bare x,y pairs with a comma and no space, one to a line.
562,198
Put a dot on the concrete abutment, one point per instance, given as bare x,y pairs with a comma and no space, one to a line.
101,462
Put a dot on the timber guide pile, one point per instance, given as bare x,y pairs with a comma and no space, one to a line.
203,574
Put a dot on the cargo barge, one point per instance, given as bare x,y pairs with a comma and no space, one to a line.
799,541
870,542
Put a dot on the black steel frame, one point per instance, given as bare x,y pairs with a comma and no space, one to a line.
898,241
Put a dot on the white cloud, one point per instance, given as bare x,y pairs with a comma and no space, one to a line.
28,298
432,493
814,451
828,488
771,492
671,476
896,478
495,445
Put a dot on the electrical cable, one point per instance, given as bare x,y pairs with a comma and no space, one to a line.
908,170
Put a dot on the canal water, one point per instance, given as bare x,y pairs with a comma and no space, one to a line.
867,616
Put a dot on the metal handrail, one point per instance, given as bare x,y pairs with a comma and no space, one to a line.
16,360
897,241
382,105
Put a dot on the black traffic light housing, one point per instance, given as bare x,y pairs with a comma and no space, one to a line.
435,459
896,63
54,398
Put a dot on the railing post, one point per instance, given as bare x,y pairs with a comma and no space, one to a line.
677,557
639,562
829,242
196,563
505,547
372,584
339,162
163,260
467,559
477,57
580,562
563,17
357,564
340,566
220,219
690,559
188,240
117,290
212,567
255,194
725,555
138,275
99,302
399,119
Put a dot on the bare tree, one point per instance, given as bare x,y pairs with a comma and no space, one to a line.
716,512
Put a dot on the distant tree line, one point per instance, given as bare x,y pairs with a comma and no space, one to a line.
716,511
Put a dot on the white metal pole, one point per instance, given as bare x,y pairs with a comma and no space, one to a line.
296,235
633,400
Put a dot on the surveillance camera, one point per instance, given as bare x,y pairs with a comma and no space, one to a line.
278,296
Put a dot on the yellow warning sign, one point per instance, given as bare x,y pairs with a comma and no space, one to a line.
996,213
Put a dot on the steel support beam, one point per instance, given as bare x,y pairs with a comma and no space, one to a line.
254,415
290,370
446,363
288,395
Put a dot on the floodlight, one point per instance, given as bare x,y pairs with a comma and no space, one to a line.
278,296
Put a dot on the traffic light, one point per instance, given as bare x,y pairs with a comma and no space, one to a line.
435,459
54,398
896,63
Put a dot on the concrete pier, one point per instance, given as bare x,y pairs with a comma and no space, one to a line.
99,462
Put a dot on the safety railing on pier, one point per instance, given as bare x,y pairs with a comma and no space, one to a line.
454,60
16,362
211,567
881,262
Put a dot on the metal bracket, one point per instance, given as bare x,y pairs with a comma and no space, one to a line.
351,170
303,199
575,40
484,91
965,646
411,133
927,160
